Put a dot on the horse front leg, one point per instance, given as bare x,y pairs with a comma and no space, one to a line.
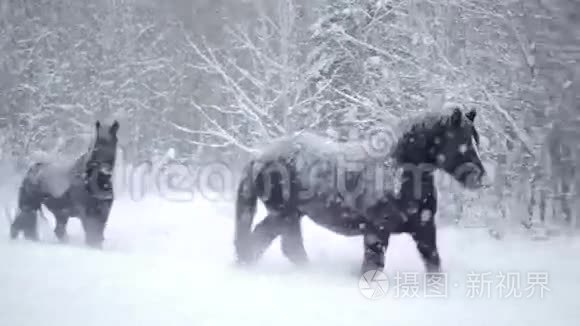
94,229
375,247
60,228
425,237
94,222
25,221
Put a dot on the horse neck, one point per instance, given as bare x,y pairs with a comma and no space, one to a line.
80,163
415,152
417,177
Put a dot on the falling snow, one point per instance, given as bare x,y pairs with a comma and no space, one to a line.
219,81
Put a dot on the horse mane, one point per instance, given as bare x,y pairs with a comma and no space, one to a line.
426,120
79,165
401,130
316,143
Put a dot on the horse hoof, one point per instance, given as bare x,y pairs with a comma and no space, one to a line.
433,269
370,270
61,235
31,237
300,261
95,245
240,264
302,264
243,263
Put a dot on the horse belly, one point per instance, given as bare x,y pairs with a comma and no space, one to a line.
54,181
61,206
340,221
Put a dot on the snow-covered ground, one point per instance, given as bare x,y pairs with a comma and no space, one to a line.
168,263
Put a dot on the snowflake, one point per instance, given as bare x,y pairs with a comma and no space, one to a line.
426,215
374,61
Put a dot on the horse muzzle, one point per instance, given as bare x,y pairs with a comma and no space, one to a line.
106,170
472,177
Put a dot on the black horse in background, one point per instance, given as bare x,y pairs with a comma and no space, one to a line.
344,188
82,189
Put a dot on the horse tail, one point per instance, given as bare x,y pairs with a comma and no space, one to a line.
246,203
30,183
29,201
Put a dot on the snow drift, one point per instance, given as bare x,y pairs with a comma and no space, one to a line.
172,263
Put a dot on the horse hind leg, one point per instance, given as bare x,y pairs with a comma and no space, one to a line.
26,218
25,222
292,241
262,237
275,224
29,201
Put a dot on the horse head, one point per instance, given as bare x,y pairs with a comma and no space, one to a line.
101,161
447,141
455,149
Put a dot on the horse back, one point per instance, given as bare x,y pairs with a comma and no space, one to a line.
48,179
309,170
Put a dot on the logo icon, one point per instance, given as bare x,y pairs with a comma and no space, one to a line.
373,284
379,141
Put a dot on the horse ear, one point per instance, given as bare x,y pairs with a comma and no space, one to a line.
114,127
456,117
471,115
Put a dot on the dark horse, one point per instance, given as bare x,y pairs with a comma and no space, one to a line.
82,189
344,188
